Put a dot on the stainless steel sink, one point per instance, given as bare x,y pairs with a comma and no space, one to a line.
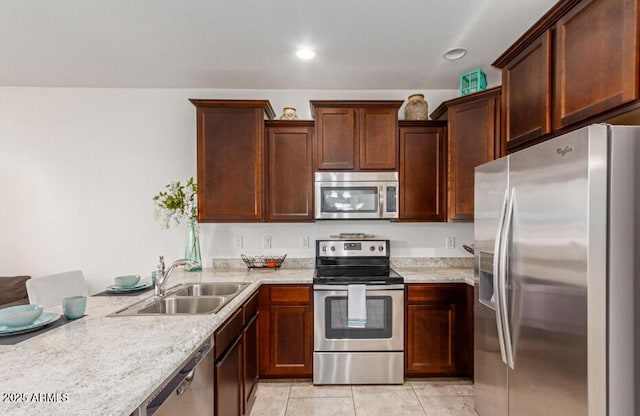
209,289
185,305
187,299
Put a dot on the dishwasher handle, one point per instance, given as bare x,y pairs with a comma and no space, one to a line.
186,382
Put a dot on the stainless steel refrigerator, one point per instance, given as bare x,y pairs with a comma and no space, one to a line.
557,235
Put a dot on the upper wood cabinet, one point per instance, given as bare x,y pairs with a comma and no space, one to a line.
230,136
596,59
356,135
526,92
422,171
290,171
577,65
473,131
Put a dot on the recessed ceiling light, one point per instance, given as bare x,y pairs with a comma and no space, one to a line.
454,54
305,53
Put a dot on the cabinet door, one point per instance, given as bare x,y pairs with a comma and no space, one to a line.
230,152
437,333
378,138
473,132
596,59
336,141
250,351
228,382
286,331
526,92
422,173
290,179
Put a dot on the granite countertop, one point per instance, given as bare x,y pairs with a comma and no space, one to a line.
104,365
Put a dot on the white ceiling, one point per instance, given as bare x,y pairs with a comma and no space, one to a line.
250,44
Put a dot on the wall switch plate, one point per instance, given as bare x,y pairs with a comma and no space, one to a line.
266,241
450,242
237,241
304,242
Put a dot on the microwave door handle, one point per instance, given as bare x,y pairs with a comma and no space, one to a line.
381,206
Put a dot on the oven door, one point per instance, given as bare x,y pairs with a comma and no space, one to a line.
384,330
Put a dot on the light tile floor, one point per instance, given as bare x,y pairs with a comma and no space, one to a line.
450,397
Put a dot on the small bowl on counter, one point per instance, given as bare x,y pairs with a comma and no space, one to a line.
126,281
21,315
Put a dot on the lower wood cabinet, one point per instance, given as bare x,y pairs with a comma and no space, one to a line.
236,361
438,341
286,331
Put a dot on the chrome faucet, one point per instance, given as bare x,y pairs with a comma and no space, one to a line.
162,276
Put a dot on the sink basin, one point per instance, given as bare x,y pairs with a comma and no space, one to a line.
185,305
209,289
187,299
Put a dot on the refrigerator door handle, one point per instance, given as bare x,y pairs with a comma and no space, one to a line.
504,267
496,277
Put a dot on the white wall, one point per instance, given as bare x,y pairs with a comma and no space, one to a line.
78,169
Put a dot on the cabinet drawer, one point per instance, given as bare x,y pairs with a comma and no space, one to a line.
435,293
296,294
250,308
227,333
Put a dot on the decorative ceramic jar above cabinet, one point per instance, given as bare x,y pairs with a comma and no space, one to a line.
416,108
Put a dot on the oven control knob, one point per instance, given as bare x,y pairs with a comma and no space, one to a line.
372,248
380,248
324,248
333,248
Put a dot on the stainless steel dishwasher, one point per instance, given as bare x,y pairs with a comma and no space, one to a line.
188,392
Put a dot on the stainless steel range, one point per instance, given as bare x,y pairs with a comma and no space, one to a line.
358,314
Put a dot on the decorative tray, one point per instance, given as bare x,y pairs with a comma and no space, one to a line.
263,262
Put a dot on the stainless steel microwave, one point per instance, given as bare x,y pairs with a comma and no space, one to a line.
356,195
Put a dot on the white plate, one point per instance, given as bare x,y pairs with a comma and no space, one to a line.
44,319
119,289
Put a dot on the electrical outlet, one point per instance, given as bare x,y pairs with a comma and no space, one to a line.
266,241
237,241
304,242
451,242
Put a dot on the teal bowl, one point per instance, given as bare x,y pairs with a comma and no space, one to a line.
127,281
21,315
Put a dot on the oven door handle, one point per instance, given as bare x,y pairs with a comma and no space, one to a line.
369,287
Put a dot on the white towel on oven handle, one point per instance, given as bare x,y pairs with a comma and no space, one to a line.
356,306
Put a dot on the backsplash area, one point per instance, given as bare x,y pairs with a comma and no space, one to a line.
397,262
408,240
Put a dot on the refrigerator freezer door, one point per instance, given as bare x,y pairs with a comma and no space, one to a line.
490,373
547,277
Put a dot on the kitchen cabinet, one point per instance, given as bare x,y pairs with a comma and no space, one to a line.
236,361
577,65
422,171
228,367
286,331
230,153
356,135
596,59
526,92
437,335
250,351
290,171
473,138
